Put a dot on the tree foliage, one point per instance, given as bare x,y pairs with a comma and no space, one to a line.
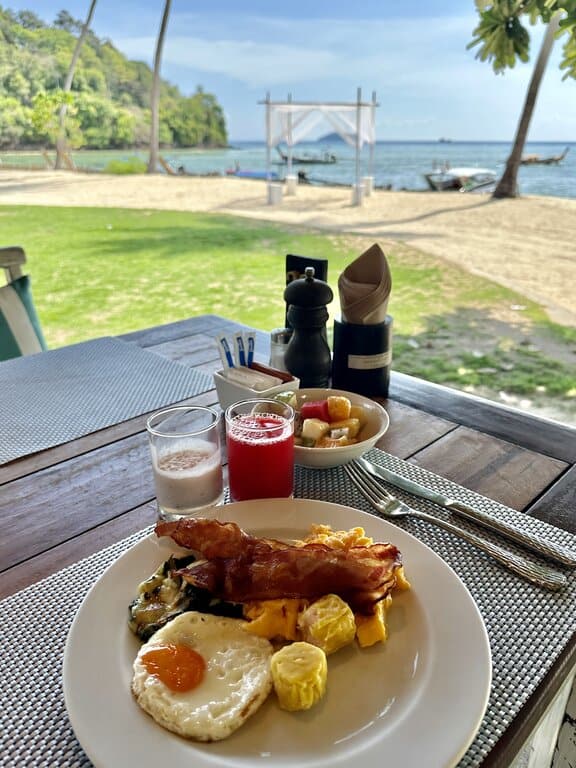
503,38
110,96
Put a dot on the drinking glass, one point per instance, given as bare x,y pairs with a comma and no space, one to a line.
260,443
186,461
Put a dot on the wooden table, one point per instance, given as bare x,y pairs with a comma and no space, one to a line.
84,495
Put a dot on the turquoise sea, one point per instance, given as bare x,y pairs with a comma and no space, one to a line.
400,165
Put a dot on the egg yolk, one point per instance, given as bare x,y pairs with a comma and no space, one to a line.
178,666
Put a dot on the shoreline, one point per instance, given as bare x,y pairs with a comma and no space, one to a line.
526,244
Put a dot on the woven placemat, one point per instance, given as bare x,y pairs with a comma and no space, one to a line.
57,396
527,626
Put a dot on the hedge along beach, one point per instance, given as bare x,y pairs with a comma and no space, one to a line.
527,244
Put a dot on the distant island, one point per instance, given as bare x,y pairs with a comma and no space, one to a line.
333,138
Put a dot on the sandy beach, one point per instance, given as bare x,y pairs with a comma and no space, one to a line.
527,244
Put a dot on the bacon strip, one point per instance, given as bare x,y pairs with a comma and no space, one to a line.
210,538
359,578
240,567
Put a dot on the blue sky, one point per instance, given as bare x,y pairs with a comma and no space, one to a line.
412,54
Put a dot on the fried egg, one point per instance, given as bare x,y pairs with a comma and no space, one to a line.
202,676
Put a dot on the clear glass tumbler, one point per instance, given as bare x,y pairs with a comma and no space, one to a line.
186,461
260,444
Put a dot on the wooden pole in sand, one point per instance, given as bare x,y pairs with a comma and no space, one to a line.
268,139
373,134
358,191
289,165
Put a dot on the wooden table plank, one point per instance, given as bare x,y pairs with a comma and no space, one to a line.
557,505
71,498
94,540
411,430
547,437
495,468
209,325
188,350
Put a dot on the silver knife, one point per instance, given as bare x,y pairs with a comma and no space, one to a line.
545,548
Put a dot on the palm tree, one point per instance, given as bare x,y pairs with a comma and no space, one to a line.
502,39
508,184
155,96
61,138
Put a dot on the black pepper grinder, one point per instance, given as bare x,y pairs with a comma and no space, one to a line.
308,354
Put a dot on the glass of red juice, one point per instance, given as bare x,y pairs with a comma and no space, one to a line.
260,444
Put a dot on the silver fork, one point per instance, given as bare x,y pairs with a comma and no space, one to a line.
389,506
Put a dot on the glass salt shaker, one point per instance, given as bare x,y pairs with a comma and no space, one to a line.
279,338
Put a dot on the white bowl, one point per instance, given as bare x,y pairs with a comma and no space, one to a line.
322,458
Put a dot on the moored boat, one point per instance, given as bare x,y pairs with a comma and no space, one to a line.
325,158
465,179
538,160
248,174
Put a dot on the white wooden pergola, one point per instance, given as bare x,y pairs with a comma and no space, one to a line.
289,122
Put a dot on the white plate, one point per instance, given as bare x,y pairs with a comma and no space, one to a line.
416,700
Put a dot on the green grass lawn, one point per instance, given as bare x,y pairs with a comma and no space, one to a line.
99,271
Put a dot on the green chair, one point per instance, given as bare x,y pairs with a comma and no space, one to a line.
20,331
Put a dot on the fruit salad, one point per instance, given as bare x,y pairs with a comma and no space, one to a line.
328,423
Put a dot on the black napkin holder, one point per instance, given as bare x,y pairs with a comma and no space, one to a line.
362,357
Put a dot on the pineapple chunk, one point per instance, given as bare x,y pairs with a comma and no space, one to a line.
338,407
314,429
350,427
372,629
358,412
401,580
334,442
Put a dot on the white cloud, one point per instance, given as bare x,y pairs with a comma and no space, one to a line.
288,51
426,80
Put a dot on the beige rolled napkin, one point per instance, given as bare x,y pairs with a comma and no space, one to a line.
365,287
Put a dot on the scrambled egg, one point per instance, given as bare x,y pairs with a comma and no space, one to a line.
323,534
369,629
273,618
324,623
299,673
